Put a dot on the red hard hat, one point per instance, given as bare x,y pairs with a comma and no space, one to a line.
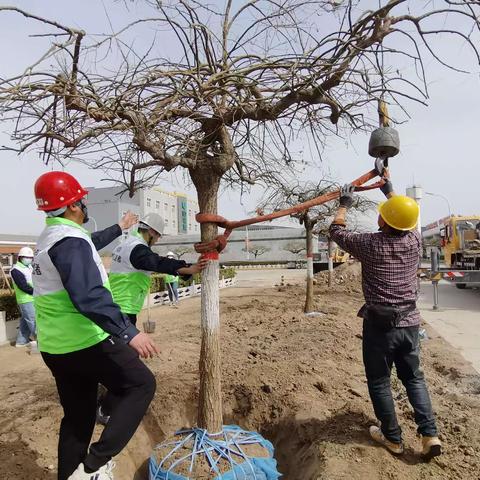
56,190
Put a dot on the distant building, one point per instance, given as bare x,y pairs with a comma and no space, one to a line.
266,243
107,205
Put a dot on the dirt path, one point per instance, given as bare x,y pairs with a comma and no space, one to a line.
296,379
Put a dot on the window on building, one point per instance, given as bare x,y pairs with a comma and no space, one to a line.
189,226
149,202
165,206
173,223
157,204
196,227
166,221
173,208
189,213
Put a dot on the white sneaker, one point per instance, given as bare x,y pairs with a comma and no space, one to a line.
103,473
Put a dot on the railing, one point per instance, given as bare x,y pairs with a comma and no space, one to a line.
161,298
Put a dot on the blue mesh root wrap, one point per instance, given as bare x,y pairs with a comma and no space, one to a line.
226,446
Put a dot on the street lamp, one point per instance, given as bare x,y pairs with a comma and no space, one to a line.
444,198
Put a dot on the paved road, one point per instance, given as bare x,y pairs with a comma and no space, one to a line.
458,317
269,278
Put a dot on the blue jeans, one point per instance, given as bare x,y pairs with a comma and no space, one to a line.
399,346
27,328
172,291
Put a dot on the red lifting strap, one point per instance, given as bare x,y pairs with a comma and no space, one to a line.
219,243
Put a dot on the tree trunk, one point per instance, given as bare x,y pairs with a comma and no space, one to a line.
309,295
330,263
210,397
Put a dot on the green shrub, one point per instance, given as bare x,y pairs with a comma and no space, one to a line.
228,272
158,279
8,304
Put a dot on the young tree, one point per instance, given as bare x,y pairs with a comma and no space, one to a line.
294,247
256,249
239,83
289,194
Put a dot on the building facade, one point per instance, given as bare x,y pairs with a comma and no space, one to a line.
257,243
177,209
107,205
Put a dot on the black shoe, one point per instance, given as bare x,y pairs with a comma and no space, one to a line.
102,419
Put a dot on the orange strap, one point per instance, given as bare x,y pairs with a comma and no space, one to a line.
219,243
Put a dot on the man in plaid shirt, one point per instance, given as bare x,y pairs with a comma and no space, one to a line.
389,261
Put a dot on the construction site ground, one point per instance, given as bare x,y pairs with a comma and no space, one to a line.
298,380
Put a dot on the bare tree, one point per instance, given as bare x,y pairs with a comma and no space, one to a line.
313,219
181,251
256,249
242,83
294,247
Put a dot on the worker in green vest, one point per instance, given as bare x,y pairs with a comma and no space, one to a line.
171,281
83,337
133,262
21,275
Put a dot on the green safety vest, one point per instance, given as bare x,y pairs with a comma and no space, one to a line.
21,296
130,286
61,327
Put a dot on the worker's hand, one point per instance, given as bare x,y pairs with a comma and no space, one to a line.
128,220
195,268
144,345
346,195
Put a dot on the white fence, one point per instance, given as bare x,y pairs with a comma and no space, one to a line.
8,330
259,267
161,298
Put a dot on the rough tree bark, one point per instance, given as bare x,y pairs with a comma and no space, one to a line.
330,263
210,396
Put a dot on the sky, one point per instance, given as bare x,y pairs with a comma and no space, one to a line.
439,144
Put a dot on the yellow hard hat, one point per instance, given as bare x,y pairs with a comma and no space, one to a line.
400,212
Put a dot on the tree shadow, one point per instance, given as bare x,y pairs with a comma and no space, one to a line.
142,472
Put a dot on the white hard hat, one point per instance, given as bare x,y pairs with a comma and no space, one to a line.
25,252
171,254
154,221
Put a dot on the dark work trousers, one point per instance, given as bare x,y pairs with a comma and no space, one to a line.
107,401
77,375
399,346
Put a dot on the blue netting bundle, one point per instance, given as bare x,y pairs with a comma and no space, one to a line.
223,455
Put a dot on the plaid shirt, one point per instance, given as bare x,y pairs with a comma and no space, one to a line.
389,266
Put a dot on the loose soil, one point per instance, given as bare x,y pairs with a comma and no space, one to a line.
298,380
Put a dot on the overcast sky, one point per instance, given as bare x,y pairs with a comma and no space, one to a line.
439,144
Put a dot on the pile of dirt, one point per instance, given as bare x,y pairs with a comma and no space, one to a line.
298,380
348,275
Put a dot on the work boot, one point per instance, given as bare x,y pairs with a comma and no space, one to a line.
431,447
379,437
103,473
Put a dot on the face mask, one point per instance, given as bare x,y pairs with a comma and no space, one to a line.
84,211
27,261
